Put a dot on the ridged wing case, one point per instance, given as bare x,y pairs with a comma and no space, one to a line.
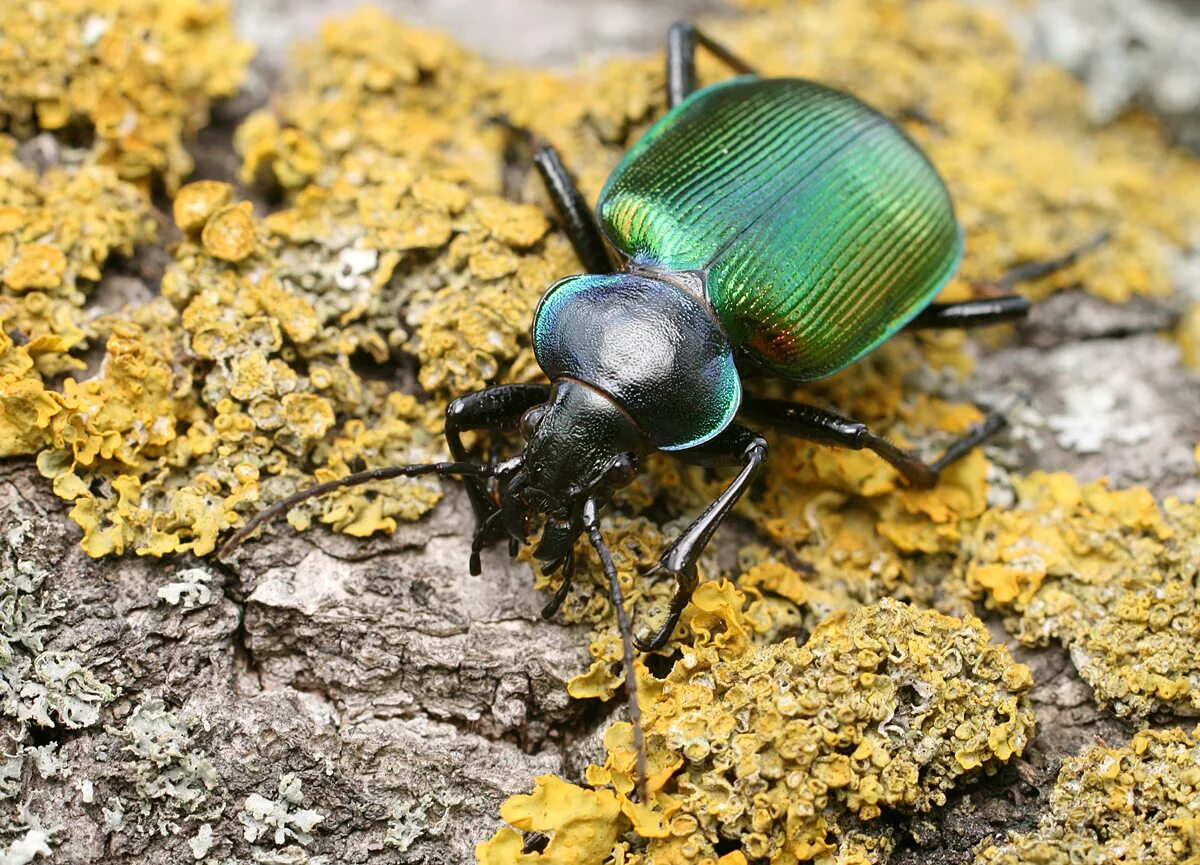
821,227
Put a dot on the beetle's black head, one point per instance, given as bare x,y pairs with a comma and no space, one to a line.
580,445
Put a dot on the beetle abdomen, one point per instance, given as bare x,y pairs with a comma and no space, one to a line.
652,347
822,228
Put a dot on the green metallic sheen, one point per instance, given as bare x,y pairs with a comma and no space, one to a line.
820,227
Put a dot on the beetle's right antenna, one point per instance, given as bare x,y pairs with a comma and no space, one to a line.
469,469
592,524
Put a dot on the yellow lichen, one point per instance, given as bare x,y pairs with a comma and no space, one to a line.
584,823
1106,572
1135,803
139,75
57,230
790,750
394,241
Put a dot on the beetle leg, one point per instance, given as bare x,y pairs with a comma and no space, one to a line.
1001,307
493,408
682,40
578,220
824,427
736,445
564,588
972,313
1038,269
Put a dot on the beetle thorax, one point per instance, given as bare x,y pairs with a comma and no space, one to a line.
652,347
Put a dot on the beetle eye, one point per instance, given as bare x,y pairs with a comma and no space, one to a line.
623,471
531,419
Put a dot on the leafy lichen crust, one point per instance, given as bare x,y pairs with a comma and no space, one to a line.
135,76
788,753
1110,574
393,242
1136,803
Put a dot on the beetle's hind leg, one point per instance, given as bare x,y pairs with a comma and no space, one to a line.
824,427
1002,306
682,40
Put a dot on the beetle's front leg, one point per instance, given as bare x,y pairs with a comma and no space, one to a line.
495,408
737,445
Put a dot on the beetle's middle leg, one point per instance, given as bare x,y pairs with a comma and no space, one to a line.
578,219
736,445
682,40
1002,306
824,427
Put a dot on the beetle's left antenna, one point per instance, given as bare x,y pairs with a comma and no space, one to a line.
592,524
475,470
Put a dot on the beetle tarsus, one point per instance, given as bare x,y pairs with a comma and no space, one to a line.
568,573
685,586
591,522
990,425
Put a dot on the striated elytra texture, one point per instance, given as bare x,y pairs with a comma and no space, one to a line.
820,225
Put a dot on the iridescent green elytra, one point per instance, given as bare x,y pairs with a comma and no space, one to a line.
819,225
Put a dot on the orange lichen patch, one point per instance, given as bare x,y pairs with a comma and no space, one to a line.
1042,181
1108,573
370,92
198,201
1135,803
791,751
139,75
35,265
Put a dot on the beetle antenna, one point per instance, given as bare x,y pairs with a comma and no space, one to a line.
592,524
468,469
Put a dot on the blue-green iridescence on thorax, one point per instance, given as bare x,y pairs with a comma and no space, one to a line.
651,346
821,227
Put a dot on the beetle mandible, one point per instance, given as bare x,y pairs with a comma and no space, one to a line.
763,226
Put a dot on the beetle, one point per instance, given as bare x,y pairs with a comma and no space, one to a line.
763,226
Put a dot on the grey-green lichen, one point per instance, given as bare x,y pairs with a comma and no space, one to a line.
33,843
282,822
37,686
1139,803
173,779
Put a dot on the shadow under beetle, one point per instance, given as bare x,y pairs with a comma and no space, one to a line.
762,227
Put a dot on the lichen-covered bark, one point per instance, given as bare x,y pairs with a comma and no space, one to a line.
334,699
